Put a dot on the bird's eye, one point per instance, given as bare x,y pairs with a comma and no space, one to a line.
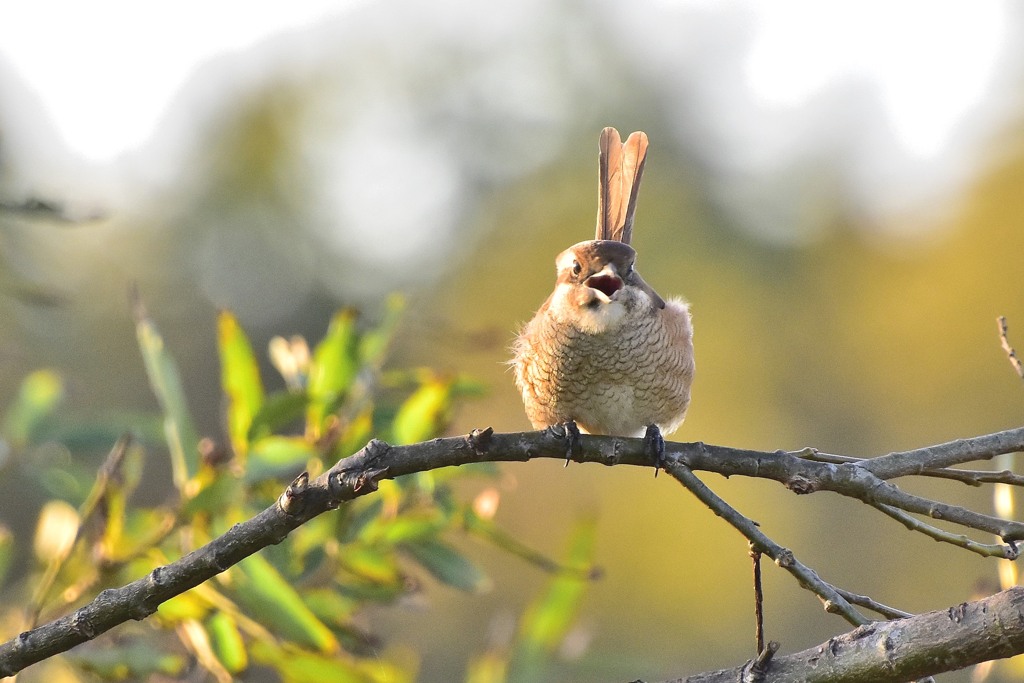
576,268
629,270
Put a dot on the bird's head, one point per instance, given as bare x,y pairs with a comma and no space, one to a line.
597,285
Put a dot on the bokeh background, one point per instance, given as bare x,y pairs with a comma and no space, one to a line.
836,188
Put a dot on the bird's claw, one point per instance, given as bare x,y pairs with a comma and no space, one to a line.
654,443
572,437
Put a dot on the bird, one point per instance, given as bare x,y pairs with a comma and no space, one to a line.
605,354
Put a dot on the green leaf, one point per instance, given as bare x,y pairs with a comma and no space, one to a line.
165,381
240,380
448,566
409,527
338,610
487,529
358,430
357,517
39,394
377,565
107,500
136,661
463,386
7,551
363,591
422,415
490,667
273,456
378,670
279,410
374,345
103,430
301,666
220,491
181,607
332,369
227,642
272,600
66,481
548,619
330,606
312,536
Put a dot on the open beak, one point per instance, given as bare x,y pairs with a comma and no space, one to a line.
605,281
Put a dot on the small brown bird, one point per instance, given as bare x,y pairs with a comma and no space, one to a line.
605,351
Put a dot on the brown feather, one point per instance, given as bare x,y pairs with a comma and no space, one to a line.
634,156
620,167
609,184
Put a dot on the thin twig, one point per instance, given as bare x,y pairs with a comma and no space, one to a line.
1002,495
1008,551
834,602
756,669
1011,354
755,557
108,470
874,605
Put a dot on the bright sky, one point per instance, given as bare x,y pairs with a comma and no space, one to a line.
924,75
930,61
138,54
106,70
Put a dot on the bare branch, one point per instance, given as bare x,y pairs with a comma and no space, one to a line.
852,480
956,452
969,477
1005,552
873,605
902,650
359,475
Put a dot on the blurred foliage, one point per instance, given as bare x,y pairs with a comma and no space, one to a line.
546,624
456,165
298,609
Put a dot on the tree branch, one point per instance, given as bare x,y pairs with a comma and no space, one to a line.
901,464
1005,552
877,607
904,649
860,480
969,477
359,475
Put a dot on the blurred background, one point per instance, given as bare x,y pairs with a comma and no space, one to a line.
836,188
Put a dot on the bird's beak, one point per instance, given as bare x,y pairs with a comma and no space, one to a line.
606,281
639,283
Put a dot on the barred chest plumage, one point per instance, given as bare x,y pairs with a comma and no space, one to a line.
615,382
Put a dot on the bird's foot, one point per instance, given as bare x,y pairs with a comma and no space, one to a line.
572,437
654,443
